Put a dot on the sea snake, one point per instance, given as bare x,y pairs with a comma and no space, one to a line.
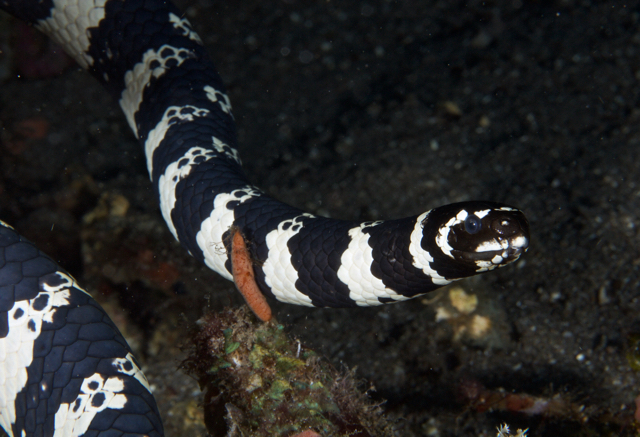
65,370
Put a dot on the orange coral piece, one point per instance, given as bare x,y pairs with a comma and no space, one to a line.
245,280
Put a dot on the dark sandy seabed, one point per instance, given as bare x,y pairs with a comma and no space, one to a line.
369,110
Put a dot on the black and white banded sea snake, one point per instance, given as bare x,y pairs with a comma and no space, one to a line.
65,370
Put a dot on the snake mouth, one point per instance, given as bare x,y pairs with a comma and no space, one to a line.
496,257
510,252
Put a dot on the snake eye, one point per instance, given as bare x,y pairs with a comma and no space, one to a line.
472,224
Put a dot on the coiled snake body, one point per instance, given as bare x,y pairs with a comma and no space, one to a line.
66,369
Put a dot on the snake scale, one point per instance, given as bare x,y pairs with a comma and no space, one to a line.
65,370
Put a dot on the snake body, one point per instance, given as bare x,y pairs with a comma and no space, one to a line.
149,58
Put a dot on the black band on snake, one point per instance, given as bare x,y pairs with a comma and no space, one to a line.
67,370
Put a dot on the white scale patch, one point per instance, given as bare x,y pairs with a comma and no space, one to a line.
421,258
183,25
219,97
442,239
173,174
520,242
226,149
137,79
121,365
487,246
493,245
280,274
355,271
209,237
69,24
16,350
171,116
73,419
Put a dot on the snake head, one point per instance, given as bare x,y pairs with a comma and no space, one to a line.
480,235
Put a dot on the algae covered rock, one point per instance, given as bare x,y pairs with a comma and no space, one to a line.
260,382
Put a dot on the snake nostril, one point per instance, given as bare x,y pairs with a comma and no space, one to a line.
505,226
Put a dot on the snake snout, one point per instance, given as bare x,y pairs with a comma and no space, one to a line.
506,226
